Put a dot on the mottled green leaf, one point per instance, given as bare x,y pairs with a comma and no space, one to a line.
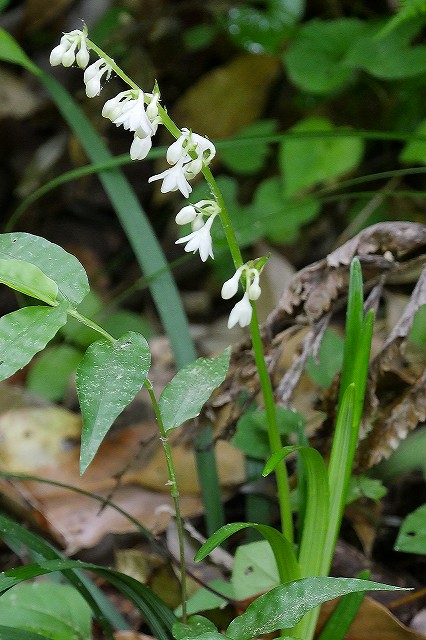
28,279
108,378
25,332
55,262
412,535
184,397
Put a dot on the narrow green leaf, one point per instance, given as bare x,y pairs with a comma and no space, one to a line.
56,263
28,279
354,322
157,615
285,605
317,506
108,378
11,633
10,51
288,568
18,537
25,332
184,397
57,610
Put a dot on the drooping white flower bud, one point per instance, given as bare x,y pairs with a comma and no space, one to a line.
186,214
93,76
140,147
230,287
65,52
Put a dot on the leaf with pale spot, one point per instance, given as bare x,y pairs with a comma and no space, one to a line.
108,378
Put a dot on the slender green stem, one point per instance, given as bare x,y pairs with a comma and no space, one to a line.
273,433
89,323
174,490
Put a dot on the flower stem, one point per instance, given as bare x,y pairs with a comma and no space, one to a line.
174,490
273,432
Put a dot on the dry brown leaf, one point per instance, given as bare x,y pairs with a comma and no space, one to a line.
374,621
227,99
131,635
389,253
16,99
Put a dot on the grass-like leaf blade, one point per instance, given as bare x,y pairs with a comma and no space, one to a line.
16,536
54,262
287,565
184,397
11,633
28,279
25,332
284,606
157,615
108,378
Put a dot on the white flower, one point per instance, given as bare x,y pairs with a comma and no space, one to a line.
241,313
188,143
65,52
93,76
174,179
200,240
230,287
140,147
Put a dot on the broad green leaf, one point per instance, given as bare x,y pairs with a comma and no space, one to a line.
412,534
108,378
415,151
285,605
28,279
55,262
365,487
286,562
330,359
260,31
50,373
254,570
247,160
184,397
390,57
305,163
204,599
196,626
25,332
56,610
251,435
314,59
275,216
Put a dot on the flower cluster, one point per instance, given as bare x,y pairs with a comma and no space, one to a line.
200,238
141,113
242,312
188,154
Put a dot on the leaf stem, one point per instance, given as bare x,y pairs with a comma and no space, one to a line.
174,490
89,323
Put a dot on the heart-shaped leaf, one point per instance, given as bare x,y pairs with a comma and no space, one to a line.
108,378
184,397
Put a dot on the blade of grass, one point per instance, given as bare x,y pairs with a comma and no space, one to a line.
14,535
